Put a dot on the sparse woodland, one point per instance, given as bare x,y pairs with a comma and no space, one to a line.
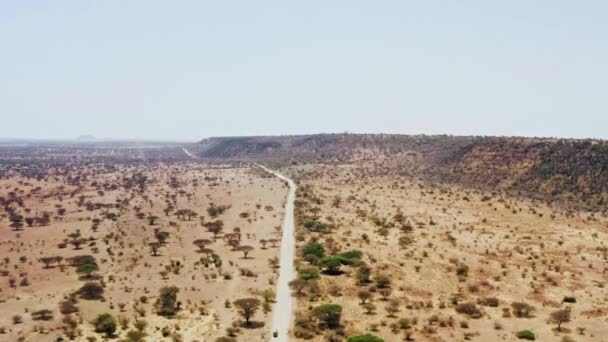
395,258
398,238
113,246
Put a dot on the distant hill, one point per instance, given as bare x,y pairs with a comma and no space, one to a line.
555,170
329,147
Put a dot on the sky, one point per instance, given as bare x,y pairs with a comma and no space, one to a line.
186,70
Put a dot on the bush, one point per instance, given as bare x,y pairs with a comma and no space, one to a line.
469,309
331,264
350,256
308,273
314,248
569,299
363,274
105,323
314,225
489,301
135,336
42,315
68,306
522,310
462,271
225,339
382,281
526,335
329,314
167,304
91,291
81,260
365,338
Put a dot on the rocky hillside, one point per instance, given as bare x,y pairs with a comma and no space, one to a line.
330,147
574,172
566,171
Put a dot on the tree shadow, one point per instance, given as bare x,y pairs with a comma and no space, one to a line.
91,277
253,325
332,273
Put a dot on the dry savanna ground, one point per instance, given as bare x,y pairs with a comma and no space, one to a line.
400,260
147,245
166,250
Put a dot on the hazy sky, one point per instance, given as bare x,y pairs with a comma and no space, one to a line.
192,69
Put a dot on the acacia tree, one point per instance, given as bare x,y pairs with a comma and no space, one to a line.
392,307
190,214
268,295
181,213
47,261
77,242
42,315
152,219
331,264
16,222
385,293
234,243
201,243
522,310
364,296
161,236
87,269
154,247
382,281
247,307
560,316
245,250
329,314
237,233
216,229
298,285
105,323
167,303
274,263
91,291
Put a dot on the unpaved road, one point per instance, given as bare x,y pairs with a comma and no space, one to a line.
283,307
189,154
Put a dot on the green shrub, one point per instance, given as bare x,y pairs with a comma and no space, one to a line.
167,303
329,314
308,273
135,336
314,248
350,256
526,335
105,323
365,338
331,263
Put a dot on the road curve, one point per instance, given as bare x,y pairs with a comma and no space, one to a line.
283,308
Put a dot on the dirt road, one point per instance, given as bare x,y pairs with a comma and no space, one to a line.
189,154
283,307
